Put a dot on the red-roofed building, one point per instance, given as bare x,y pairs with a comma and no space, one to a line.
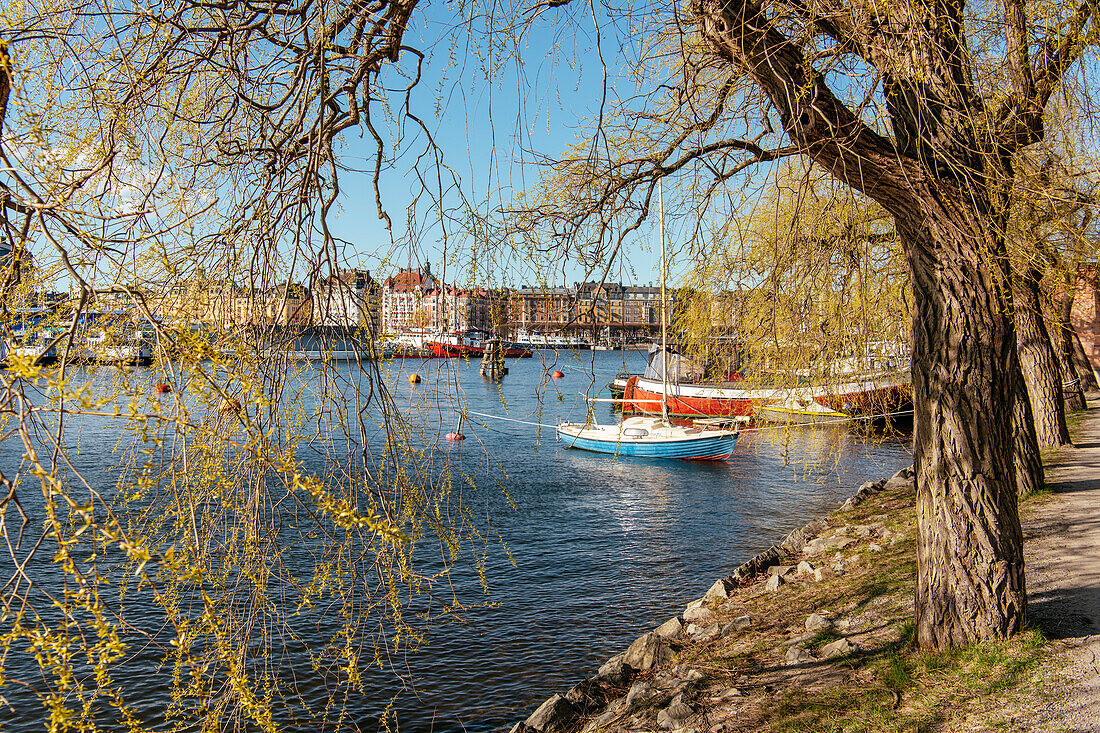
403,300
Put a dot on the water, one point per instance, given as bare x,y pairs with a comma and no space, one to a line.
604,549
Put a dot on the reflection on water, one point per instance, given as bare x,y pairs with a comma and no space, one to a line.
599,549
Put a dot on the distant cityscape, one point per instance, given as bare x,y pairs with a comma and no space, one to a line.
411,300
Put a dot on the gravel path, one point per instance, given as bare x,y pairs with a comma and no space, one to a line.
1063,574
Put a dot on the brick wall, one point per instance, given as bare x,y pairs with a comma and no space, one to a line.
1086,315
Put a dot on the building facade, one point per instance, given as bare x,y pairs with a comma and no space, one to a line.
403,300
625,312
1085,315
348,299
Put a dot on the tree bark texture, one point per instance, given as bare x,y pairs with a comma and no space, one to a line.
1082,363
1039,365
1026,457
966,379
970,562
1072,382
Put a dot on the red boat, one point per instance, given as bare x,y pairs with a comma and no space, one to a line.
471,344
857,396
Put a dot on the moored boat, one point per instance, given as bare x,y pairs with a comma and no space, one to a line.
645,395
36,346
471,344
854,396
795,411
650,437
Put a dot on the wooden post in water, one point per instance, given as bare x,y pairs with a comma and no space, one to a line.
492,360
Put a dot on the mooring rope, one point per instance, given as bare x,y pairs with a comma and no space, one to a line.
511,419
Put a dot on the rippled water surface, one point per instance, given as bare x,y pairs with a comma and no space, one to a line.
604,548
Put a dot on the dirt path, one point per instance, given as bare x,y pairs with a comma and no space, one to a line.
1062,549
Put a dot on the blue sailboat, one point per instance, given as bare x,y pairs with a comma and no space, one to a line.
652,437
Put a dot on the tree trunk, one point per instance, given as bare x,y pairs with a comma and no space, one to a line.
1026,458
1039,365
970,567
1074,392
1081,362
970,579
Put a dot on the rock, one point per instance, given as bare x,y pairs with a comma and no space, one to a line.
886,534
677,711
774,582
648,651
585,696
702,613
693,675
849,504
821,574
796,540
825,544
872,487
738,624
758,561
604,720
670,629
874,547
640,693
519,728
727,694
798,639
805,568
554,714
798,655
864,531
696,604
710,633
780,569
905,473
614,671
897,482
817,622
838,648
720,589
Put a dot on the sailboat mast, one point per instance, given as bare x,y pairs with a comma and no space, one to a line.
664,302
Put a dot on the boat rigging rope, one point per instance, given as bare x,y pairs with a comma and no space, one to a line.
511,419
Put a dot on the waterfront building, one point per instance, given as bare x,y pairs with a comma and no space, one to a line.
348,299
450,308
622,312
288,304
403,307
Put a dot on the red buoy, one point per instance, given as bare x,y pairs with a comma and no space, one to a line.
455,436
557,374
163,388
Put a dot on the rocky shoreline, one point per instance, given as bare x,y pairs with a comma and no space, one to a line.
644,688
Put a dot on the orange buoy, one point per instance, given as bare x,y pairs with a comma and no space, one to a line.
163,388
414,379
557,374
455,436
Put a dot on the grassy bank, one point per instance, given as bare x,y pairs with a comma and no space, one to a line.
884,683
829,647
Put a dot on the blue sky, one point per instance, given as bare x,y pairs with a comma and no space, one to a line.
487,129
